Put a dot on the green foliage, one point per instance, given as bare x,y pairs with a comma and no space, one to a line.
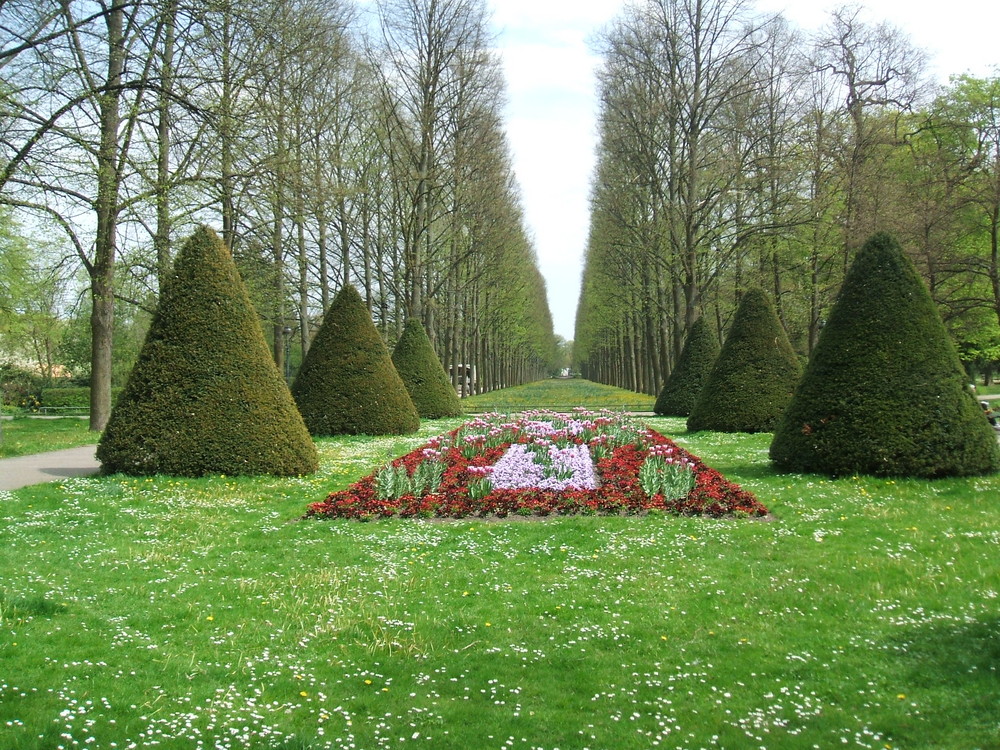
754,376
348,384
131,326
680,392
19,388
424,377
884,392
205,396
15,271
394,481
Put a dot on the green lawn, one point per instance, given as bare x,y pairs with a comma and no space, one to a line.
182,613
559,394
24,436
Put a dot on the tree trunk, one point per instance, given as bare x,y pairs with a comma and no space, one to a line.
161,240
102,317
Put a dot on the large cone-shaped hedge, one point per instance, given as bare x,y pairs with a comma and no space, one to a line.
424,377
884,392
348,384
688,378
205,397
754,376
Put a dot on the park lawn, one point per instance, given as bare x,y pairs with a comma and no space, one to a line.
559,394
182,613
24,436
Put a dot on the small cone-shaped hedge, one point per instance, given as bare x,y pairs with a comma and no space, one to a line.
884,392
348,384
424,377
681,391
205,397
754,376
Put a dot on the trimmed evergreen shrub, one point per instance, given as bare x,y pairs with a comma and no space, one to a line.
754,376
424,377
680,392
884,392
348,384
205,396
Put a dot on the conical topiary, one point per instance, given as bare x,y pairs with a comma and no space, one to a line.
205,397
347,384
884,392
680,392
424,377
754,375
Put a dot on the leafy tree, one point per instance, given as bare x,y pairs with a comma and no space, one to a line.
348,384
15,279
688,378
205,396
423,375
884,392
754,376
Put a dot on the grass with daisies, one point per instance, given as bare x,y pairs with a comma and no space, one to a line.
181,613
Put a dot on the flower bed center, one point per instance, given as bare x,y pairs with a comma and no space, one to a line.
540,463
544,467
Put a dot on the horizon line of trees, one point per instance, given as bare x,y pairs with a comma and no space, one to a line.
735,152
330,145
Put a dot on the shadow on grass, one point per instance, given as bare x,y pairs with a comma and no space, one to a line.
959,664
956,653
20,608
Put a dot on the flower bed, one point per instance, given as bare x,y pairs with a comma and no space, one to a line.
542,463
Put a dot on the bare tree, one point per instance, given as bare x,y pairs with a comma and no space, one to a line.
880,73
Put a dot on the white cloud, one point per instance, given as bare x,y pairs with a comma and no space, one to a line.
551,121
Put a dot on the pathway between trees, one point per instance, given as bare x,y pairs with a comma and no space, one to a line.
23,471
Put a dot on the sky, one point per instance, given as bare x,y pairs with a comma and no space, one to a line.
548,58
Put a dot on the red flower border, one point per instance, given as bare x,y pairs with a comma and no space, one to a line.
619,492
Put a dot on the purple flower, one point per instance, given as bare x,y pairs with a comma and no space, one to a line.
567,468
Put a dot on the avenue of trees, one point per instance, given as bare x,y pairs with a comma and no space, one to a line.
330,145
737,153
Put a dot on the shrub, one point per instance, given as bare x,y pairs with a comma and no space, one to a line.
680,392
347,384
19,388
205,397
424,377
884,392
754,375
